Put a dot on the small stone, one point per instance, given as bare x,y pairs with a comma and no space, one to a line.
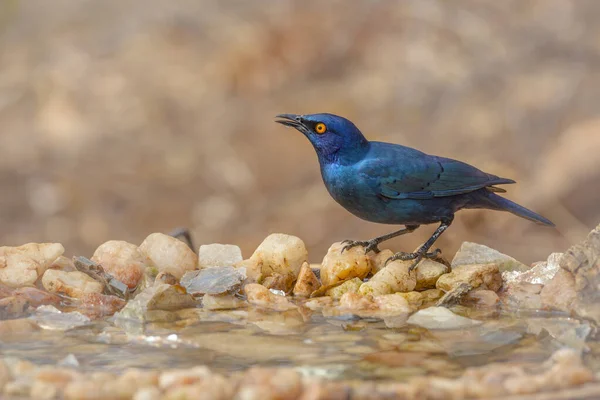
214,280
395,277
13,307
473,254
148,393
560,293
484,276
17,326
318,303
160,297
414,299
378,260
428,272
179,377
23,265
165,277
440,318
376,307
36,297
221,302
482,298
123,261
279,282
339,267
431,295
263,297
98,305
278,255
270,383
72,284
169,254
350,286
49,317
307,282
218,255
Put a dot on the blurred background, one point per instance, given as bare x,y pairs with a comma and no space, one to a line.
119,118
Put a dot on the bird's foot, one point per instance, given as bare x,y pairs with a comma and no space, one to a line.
416,256
369,245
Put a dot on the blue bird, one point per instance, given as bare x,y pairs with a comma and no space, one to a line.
392,184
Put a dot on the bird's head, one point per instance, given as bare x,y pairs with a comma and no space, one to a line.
333,137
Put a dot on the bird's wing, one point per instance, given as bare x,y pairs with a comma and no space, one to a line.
410,174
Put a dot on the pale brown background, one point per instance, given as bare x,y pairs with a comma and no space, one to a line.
119,118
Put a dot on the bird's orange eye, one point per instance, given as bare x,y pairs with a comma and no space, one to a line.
320,128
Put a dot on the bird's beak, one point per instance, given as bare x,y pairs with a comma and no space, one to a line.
292,120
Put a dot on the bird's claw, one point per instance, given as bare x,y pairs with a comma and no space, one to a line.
369,245
416,256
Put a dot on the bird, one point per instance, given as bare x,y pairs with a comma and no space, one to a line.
392,184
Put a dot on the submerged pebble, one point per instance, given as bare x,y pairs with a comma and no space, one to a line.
215,280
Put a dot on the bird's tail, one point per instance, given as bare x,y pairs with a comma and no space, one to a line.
495,202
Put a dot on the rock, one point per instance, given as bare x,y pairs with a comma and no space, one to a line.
428,272
17,326
179,377
148,393
214,388
337,266
165,277
414,299
23,265
560,293
582,261
455,295
263,297
473,254
481,298
307,282
49,317
97,305
395,277
218,255
215,280
377,307
522,296
540,274
36,297
72,284
440,318
221,302
64,264
269,383
378,260
484,276
123,261
431,295
280,256
319,303
169,254
349,286
160,297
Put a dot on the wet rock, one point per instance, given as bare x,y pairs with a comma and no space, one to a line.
378,260
72,284
565,331
319,303
123,261
395,277
431,295
539,274
49,317
455,295
160,297
349,286
378,307
169,254
13,307
440,318
583,262
215,280
178,377
414,299
484,276
16,326
337,266
36,297
428,272
98,305
270,383
263,297
221,302
481,298
215,388
473,254
165,277
560,293
23,265
307,282
279,256
218,255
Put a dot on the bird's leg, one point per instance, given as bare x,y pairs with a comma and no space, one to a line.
421,253
184,235
371,245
